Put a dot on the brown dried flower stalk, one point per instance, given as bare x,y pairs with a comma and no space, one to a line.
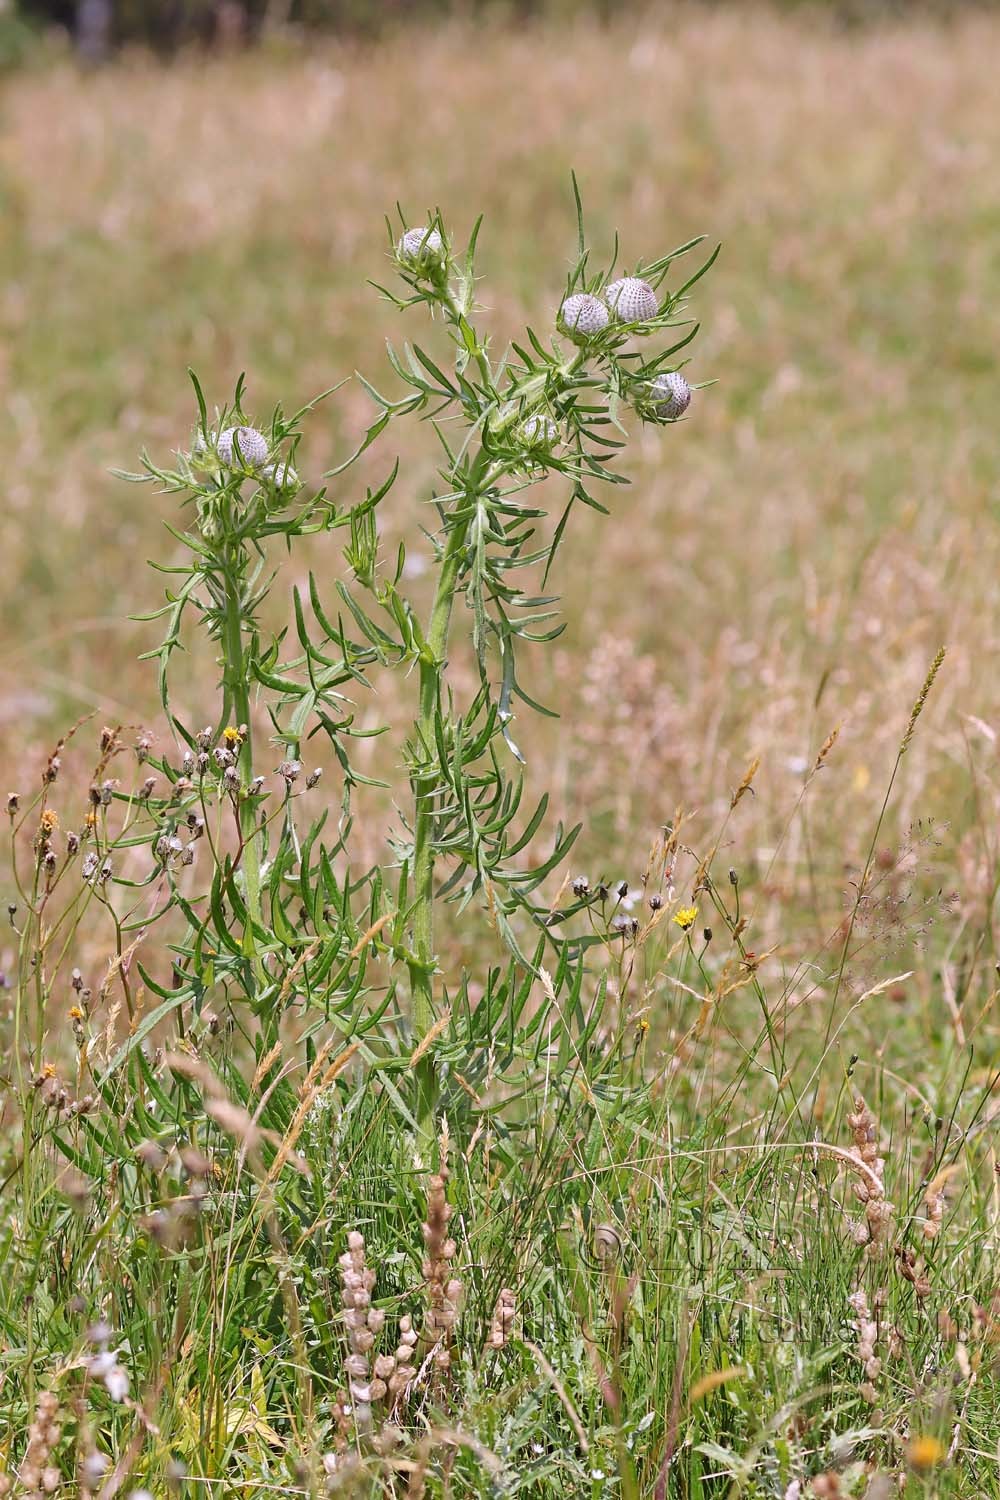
38,1475
363,1323
869,1188
444,1290
503,1319
867,1340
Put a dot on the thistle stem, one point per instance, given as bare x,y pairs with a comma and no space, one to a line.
425,783
424,791
236,692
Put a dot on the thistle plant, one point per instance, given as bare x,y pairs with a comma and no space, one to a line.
228,836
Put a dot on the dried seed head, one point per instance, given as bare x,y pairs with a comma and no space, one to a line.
671,396
581,886
632,300
252,447
420,249
583,316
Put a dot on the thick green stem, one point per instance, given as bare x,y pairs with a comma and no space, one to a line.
237,701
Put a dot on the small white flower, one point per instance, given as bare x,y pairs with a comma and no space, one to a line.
251,443
101,1365
582,316
116,1383
539,431
421,247
671,396
632,300
94,1467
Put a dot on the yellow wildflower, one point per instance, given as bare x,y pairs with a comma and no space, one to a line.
231,735
924,1452
48,822
686,917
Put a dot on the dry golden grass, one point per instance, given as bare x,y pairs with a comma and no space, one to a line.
789,560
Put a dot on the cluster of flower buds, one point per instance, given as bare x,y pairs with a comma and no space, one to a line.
96,870
244,452
628,303
103,1365
48,823
444,1290
55,1096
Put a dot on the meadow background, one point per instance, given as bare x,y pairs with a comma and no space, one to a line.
787,562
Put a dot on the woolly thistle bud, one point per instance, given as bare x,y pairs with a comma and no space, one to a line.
632,300
421,248
582,316
671,396
539,431
251,443
281,475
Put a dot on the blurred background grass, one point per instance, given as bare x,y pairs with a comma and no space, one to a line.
787,561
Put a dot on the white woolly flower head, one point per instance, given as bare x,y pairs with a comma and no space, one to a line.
632,300
582,316
251,443
539,430
421,248
671,396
